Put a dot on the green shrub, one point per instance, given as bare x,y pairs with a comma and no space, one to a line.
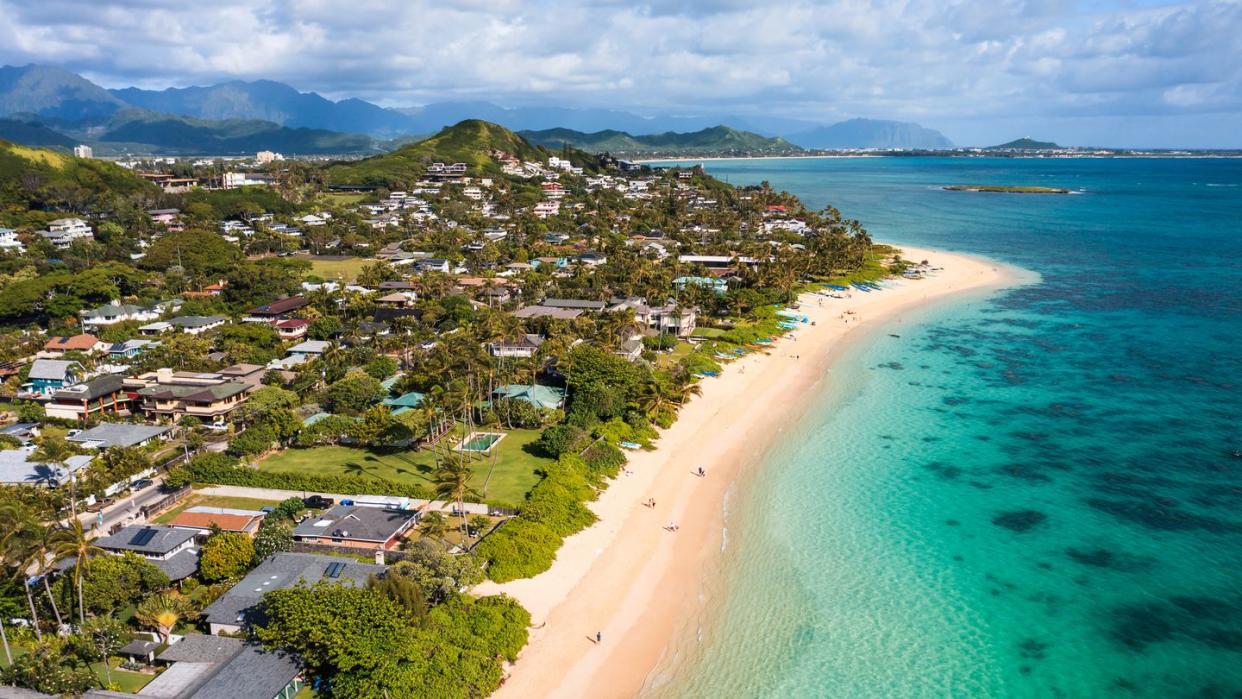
562,439
519,548
604,460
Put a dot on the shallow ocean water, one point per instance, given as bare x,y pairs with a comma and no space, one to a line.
1037,493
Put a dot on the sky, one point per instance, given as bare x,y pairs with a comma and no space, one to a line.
1098,72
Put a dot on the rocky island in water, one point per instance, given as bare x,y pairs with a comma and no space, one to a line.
1007,189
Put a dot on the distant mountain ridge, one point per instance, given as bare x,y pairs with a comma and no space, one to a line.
270,101
873,133
716,139
75,107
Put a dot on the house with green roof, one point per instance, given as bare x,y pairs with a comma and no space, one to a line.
548,397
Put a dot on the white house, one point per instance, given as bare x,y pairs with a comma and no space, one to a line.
9,241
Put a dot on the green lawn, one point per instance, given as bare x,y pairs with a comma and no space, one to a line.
215,501
129,682
510,479
334,270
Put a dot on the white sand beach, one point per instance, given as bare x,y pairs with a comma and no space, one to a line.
633,580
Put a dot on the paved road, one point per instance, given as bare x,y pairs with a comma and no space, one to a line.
127,510
237,491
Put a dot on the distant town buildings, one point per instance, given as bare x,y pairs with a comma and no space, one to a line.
83,151
264,157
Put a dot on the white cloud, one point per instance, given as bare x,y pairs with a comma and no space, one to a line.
815,60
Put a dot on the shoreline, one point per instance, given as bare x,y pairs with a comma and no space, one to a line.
636,582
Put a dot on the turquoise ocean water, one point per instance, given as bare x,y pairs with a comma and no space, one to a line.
1033,494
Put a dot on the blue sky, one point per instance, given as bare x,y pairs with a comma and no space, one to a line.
1102,72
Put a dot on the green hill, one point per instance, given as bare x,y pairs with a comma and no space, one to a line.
31,133
717,139
40,178
1026,144
470,142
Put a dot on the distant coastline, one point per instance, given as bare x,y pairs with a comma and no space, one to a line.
842,155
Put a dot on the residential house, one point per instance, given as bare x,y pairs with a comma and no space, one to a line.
669,318
197,325
50,375
292,328
117,312
23,432
356,526
209,397
577,304
169,218
218,667
524,347
63,231
103,395
249,374
18,468
630,350
545,209
58,345
204,519
310,348
280,309
550,264
129,348
432,264
549,397
495,296
592,258
396,299
233,610
716,284
170,549
119,434
714,262
540,311
9,241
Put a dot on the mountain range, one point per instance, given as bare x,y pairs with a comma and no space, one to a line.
717,140
219,116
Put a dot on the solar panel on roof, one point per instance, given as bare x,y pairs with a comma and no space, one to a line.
143,537
334,570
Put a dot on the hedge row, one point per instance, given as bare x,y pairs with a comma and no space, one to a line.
555,508
220,469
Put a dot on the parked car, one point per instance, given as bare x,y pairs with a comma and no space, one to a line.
143,483
318,502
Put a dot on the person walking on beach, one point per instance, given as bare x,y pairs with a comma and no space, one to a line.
599,636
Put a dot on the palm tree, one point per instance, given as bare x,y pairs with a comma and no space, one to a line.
162,611
55,450
25,546
70,540
452,481
434,526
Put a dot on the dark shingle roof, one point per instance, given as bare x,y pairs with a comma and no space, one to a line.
94,389
254,672
180,566
280,571
357,523
154,539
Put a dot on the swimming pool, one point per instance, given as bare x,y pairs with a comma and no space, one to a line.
480,441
